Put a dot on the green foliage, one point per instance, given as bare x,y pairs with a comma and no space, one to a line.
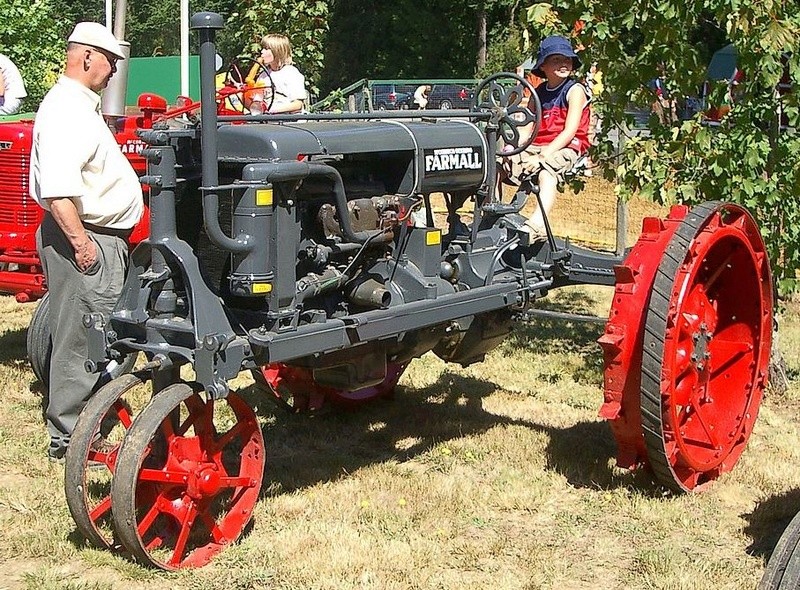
401,39
505,53
152,27
30,36
745,159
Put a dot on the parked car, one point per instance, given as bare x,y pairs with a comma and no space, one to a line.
389,97
450,96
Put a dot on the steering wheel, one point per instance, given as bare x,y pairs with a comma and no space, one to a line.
235,77
503,94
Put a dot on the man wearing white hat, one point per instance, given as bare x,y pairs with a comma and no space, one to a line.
92,198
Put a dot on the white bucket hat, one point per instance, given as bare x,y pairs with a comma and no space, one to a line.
96,35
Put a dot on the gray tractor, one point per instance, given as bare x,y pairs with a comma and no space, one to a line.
306,250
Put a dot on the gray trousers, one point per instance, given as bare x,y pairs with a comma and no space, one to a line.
72,294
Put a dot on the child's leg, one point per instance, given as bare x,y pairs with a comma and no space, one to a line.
548,186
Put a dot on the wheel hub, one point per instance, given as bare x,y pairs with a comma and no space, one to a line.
204,482
701,355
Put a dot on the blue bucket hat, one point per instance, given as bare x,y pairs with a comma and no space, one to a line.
554,45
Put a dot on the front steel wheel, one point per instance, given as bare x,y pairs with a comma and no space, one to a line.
91,456
188,477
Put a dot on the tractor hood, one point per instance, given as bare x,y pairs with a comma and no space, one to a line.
433,155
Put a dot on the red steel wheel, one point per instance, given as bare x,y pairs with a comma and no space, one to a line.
188,476
92,455
707,342
700,328
295,388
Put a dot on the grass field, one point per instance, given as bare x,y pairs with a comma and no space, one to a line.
499,475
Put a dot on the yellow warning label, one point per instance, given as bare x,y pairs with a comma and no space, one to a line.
264,197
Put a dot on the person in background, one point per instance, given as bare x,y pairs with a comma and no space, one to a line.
421,96
664,104
92,199
290,85
12,88
563,135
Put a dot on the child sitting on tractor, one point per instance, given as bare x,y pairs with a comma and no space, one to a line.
563,135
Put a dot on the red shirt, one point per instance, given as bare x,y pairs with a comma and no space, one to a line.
554,116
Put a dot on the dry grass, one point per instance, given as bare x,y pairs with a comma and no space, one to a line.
499,475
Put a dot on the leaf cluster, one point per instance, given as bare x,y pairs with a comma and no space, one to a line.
30,36
750,157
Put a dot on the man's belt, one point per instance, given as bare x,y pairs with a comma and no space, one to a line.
125,234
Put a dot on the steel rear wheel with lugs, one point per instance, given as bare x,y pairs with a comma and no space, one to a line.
295,389
687,344
706,346
188,476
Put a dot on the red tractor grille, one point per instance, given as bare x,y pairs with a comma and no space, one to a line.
19,213
17,210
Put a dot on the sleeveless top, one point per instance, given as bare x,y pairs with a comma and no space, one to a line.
554,116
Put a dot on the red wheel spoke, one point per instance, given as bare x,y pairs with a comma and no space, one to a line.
183,536
149,518
101,509
226,438
216,532
167,428
123,413
207,425
696,442
721,268
155,543
685,388
698,416
236,482
187,424
163,476
725,353
106,458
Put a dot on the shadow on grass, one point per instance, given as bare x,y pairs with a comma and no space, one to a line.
304,450
766,523
14,347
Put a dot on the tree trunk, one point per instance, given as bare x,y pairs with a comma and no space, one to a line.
481,37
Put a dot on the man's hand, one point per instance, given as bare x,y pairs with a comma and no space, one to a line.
85,254
65,214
